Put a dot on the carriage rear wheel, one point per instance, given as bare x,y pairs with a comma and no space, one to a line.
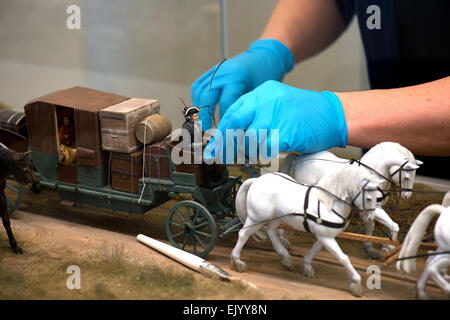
190,227
230,198
13,194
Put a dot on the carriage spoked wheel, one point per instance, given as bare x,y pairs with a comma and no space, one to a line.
13,194
230,198
190,227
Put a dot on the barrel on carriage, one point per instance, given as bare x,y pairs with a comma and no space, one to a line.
84,146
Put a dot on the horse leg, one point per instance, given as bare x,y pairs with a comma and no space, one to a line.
369,224
428,271
382,217
436,266
248,229
421,283
7,224
307,268
286,258
354,278
261,235
286,243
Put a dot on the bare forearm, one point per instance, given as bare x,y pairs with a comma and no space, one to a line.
417,117
305,26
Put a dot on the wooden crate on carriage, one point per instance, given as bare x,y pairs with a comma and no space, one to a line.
157,161
126,170
118,123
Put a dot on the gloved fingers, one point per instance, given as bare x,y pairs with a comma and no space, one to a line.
230,93
238,116
247,145
270,145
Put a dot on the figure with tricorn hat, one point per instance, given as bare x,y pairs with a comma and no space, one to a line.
193,127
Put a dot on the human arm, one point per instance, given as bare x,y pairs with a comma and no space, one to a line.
417,117
306,27
308,121
296,30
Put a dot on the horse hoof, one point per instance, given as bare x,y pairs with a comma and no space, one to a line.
420,294
288,262
373,254
356,289
17,250
240,265
308,270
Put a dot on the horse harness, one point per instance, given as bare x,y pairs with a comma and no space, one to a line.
399,171
318,219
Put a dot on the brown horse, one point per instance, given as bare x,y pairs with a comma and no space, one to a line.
19,166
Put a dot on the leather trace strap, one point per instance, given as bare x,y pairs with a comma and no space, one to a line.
305,209
316,187
318,219
306,216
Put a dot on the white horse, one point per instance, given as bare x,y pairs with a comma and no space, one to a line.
439,260
275,198
390,160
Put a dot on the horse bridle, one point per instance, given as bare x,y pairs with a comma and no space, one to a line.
390,180
399,171
362,192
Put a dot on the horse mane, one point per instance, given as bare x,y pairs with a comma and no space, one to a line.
338,182
390,147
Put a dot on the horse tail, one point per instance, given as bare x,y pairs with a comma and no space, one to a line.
241,199
446,200
286,168
414,237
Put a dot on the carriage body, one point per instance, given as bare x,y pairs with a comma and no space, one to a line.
86,179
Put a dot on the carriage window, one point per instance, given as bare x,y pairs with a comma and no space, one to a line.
66,134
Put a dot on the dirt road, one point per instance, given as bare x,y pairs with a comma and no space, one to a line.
84,230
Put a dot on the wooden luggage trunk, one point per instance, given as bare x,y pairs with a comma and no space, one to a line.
192,168
118,123
126,170
13,121
156,161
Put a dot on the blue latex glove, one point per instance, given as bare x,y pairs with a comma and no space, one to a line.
308,121
266,59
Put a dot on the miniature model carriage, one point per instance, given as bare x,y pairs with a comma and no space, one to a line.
84,146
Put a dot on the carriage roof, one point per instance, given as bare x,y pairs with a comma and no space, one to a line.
86,103
80,98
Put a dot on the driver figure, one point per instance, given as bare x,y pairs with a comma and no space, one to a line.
193,127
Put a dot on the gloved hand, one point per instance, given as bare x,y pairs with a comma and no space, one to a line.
308,121
266,59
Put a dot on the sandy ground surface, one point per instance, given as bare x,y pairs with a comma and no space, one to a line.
42,222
